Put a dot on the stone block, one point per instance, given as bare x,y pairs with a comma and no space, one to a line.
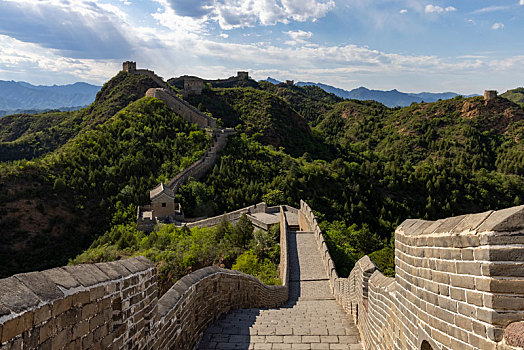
449,224
466,282
87,275
80,329
474,298
41,314
15,296
506,269
507,286
468,268
505,220
471,222
80,298
504,302
61,339
16,326
61,305
47,330
61,277
39,284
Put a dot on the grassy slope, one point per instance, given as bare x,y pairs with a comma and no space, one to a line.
515,96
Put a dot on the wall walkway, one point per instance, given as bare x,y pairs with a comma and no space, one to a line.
311,319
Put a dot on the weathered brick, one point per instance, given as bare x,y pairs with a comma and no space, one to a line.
61,305
42,314
16,326
81,298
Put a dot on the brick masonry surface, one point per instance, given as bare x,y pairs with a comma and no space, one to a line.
459,284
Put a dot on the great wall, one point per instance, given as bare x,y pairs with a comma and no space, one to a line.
459,284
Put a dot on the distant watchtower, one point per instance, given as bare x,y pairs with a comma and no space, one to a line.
129,66
290,82
192,86
490,95
243,75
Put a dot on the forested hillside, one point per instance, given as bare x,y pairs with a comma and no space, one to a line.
55,206
362,166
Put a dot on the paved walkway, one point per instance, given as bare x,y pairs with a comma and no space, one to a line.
312,319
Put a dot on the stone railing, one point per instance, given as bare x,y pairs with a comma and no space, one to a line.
115,305
459,284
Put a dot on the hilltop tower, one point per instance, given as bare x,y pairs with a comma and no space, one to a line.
129,66
490,95
242,75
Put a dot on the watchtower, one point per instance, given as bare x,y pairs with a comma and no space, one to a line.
129,66
290,82
242,75
490,95
192,86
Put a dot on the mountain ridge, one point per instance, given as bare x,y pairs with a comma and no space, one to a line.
389,98
21,95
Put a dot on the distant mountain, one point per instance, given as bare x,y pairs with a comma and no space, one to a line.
272,81
19,95
391,98
515,95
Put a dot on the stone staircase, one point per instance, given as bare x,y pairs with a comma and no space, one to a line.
312,318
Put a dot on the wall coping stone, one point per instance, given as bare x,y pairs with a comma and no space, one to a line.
510,220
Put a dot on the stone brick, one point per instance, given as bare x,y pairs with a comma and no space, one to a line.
61,339
81,298
16,326
61,305
42,314
467,282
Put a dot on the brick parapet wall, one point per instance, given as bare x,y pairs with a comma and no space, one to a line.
458,285
199,298
108,304
186,110
284,254
232,216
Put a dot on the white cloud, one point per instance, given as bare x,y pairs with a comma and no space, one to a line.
403,11
247,13
522,2
77,28
299,37
497,25
491,9
224,35
437,9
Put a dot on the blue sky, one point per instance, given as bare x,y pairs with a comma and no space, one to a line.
410,45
